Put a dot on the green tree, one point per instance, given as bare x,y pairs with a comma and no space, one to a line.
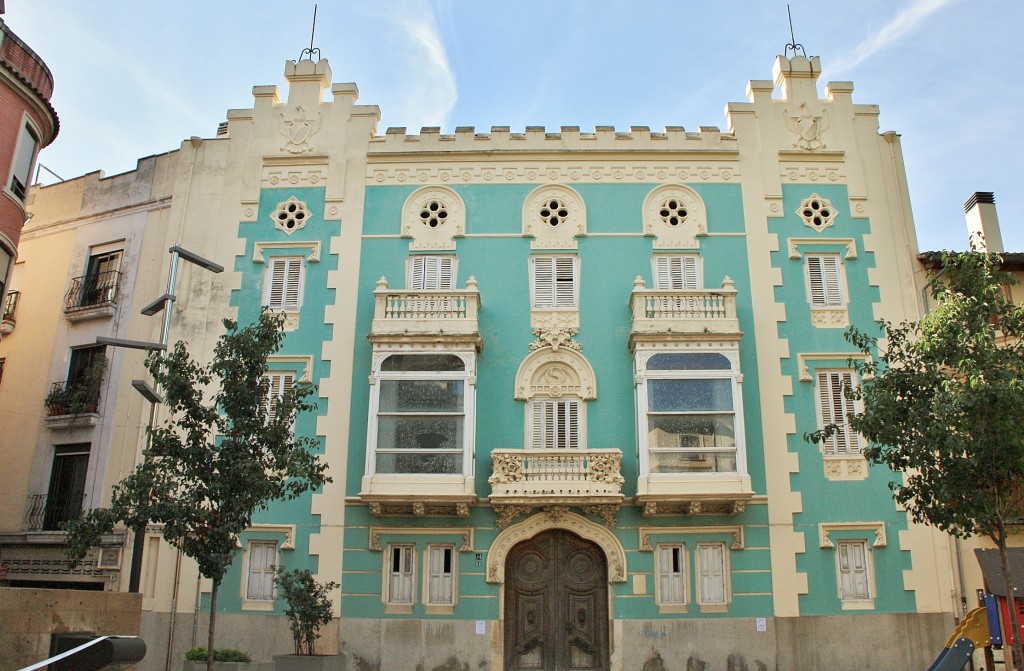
309,607
943,404
222,453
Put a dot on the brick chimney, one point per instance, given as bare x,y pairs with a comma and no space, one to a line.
982,222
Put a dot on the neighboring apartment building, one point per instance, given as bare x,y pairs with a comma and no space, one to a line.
28,123
564,379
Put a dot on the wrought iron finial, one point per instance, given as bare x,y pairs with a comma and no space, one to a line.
793,45
314,51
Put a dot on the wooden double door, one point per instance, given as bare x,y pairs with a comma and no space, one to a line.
556,604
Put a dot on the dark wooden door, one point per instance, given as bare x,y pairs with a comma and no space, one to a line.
556,605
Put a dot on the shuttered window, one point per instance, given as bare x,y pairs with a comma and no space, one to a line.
553,280
555,424
284,283
401,573
262,564
834,408
854,582
677,272
672,574
441,575
824,280
431,273
277,384
711,567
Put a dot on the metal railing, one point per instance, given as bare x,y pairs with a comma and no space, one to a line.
72,397
46,512
92,290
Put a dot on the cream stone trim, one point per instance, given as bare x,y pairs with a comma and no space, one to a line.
569,227
826,528
288,530
844,468
441,237
830,317
736,530
555,372
530,527
312,245
295,171
302,362
850,243
804,358
376,533
683,236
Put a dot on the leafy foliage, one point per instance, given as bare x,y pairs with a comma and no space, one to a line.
219,655
222,453
944,400
309,607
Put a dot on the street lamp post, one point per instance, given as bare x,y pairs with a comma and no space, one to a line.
150,393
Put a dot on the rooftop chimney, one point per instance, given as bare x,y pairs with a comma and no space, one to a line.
982,222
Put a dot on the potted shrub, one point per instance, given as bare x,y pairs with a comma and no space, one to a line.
224,659
309,609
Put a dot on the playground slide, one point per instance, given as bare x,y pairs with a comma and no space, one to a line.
971,633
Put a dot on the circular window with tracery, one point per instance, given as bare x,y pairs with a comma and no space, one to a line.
673,211
291,215
817,212
433,213
554,212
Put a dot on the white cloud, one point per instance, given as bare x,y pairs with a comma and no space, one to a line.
426,88
904,22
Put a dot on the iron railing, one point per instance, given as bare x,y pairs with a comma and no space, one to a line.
46,512
72,397
92,290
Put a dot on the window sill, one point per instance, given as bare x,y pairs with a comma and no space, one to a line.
673,608
714,608
859,605
439,610
397,609
257,604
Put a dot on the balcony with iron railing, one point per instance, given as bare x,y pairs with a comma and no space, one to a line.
10,309
47,512
92,296
73,403
554,479
684,314
406,315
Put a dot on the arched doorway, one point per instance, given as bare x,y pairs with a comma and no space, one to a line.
556,604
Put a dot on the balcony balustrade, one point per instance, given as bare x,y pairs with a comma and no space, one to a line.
415,314
46,512
556,479
660,314
92,296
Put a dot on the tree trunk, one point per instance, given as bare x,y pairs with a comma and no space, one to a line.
1018,648
213,622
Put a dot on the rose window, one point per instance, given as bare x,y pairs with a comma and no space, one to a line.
817,212
291,215
673,212
433,213
554,212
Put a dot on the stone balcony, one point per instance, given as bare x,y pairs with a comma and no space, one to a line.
672,314
554,480
449,315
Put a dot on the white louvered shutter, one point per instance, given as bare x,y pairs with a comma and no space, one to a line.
262,560
285,290
834,408
543,282
400,584
441,581
554,282
431,273
670,574
711,558
565,282
556,424
853,570
676,273
825,282
277,385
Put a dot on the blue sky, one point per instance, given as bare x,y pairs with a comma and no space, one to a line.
136,77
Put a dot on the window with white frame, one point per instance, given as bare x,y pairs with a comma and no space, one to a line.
824,280
677,272
419,414
671,574
712,587
834,408
277,383
259,585
24,159
285,276
440,575
853,570
554,281
691,413
431,273
556,423
401,571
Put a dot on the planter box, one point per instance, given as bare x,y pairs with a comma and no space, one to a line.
226,666
309,663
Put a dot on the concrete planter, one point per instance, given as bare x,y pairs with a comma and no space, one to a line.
308,663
